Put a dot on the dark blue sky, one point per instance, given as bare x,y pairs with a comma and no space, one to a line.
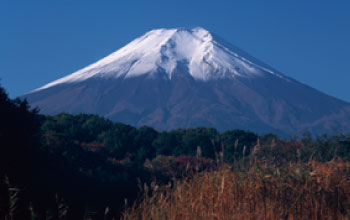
42,40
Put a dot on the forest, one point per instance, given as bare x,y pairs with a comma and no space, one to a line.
87,167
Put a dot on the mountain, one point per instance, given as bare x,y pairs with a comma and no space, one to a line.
180,78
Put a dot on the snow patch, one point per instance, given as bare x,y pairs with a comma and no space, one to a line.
206,58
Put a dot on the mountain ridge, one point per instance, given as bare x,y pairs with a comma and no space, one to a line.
180,78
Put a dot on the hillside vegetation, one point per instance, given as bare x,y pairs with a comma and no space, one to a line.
87,167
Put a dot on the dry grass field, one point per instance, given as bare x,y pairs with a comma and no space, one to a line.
257,190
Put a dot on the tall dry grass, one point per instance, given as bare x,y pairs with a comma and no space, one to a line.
309,190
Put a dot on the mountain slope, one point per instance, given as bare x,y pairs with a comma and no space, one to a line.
173,78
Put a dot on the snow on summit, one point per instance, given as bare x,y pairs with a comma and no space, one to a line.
164,50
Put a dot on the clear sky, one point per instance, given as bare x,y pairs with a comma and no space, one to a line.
42,40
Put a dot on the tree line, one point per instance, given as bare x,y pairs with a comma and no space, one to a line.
87,167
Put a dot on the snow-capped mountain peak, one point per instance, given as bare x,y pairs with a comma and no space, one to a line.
181,78
164,50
